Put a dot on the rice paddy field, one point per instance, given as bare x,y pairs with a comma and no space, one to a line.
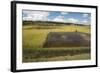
34,37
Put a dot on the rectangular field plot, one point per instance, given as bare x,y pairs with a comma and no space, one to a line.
56,43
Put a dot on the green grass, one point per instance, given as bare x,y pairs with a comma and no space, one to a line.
59,58
52,54
35,36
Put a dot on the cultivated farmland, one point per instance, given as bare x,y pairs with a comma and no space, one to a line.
35,36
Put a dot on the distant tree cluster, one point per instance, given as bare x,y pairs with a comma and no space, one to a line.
48,23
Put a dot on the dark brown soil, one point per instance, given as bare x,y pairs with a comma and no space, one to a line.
67,39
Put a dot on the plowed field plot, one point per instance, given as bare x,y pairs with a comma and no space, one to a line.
67,39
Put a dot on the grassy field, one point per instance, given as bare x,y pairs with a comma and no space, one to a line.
34,37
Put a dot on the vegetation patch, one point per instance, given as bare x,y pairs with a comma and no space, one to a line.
40,38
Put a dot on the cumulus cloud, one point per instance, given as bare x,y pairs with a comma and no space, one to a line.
85,15
62,19
72,20
63,13
30,15
59,19
35,15
85,21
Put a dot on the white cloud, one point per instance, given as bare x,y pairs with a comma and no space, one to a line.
59,19
72,20
63,13
85,15
85,21
62,19
35,15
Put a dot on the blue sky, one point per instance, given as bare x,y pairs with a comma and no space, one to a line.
57,16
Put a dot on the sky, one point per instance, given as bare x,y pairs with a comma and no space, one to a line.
57,16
